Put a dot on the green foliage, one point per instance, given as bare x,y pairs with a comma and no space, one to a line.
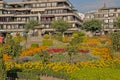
2,70
92,25
76,40
78,37
75,35
71,51
34,45
47,42
46,36
12,47
57,36
44,55
60,25
117,22
78,34
115,37
31,25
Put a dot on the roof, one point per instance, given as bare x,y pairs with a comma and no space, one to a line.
111,7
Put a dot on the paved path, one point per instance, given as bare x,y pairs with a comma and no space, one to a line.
46,78
49,78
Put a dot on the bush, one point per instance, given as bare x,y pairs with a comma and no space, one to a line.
34,45
47,42
66,39
115,37
46,36
75,35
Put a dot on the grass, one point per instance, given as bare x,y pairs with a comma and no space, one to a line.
96,74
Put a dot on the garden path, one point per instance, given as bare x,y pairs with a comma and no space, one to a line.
49,78
46,78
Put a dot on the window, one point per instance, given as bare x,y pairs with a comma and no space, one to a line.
111,20
101,15
47,26
48,4
4,26
106,21
87,17
92,16
73,25
8,26
16,26
65,11
37,5
49,12
105,15
110,26
60,11
43,5
111,10
105,10
53,11
118,10
57,11
34,5
64,18
12,27
1,26
54,4
111,14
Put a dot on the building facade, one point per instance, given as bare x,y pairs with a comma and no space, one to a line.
107,16
14,15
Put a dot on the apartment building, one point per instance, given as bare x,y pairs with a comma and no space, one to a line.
107,16
14,15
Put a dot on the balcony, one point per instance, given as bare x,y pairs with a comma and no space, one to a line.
19,22
12,30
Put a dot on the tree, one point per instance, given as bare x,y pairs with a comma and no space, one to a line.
12,46
60,25
31,25
115,40
2,65
92,25
117,22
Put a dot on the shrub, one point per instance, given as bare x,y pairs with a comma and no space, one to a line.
66,39
34,45
47,42
115,37
75,35
46,36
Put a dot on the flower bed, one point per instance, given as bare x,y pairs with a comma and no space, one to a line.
32,51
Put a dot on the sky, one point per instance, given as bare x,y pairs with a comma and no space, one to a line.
84,6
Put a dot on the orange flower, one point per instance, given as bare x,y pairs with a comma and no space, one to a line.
32,51
6,57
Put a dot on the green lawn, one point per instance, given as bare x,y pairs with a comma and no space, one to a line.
96,74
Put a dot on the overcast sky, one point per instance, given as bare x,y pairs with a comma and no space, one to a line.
90,5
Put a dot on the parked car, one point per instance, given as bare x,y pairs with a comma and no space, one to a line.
97,33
